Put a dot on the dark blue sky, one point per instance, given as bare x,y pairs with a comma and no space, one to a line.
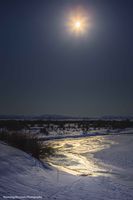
43,69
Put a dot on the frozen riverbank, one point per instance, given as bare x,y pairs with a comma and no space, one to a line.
80,134
22,175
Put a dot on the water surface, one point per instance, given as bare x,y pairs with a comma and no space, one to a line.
95,156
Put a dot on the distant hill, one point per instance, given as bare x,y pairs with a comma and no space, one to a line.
36,117
61,117
111,117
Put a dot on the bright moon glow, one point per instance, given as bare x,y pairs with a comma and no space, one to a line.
77,24
78,21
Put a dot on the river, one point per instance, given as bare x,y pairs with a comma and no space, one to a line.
95,156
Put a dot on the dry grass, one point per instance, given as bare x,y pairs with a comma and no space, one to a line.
27,143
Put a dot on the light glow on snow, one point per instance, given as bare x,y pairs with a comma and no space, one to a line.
75,156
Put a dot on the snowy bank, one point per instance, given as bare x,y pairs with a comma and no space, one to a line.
21,175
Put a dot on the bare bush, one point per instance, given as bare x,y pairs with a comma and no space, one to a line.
27,143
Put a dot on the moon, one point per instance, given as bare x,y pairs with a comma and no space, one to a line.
78,21
77,24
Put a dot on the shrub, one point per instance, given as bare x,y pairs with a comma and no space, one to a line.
44,131
27,143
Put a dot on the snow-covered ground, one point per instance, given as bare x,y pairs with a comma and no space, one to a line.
108,160
77,133
73,131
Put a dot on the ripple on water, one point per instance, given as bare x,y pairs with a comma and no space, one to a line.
93,156
76,155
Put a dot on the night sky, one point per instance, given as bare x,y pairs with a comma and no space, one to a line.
46,70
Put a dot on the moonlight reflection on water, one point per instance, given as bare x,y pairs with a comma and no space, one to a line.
75,156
